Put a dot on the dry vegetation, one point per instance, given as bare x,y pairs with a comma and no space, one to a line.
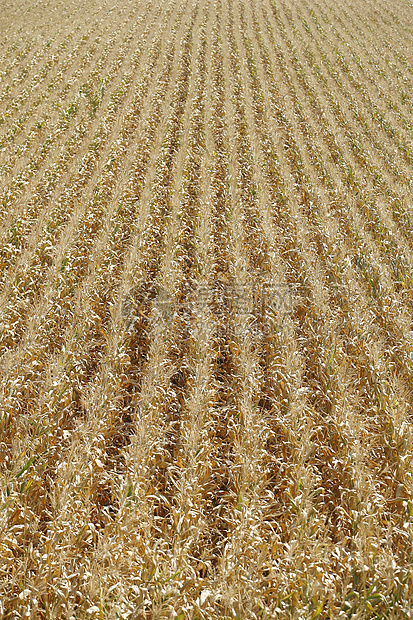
206,345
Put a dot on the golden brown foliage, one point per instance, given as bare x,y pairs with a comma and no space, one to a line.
206,345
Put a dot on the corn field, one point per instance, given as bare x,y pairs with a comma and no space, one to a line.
206,324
